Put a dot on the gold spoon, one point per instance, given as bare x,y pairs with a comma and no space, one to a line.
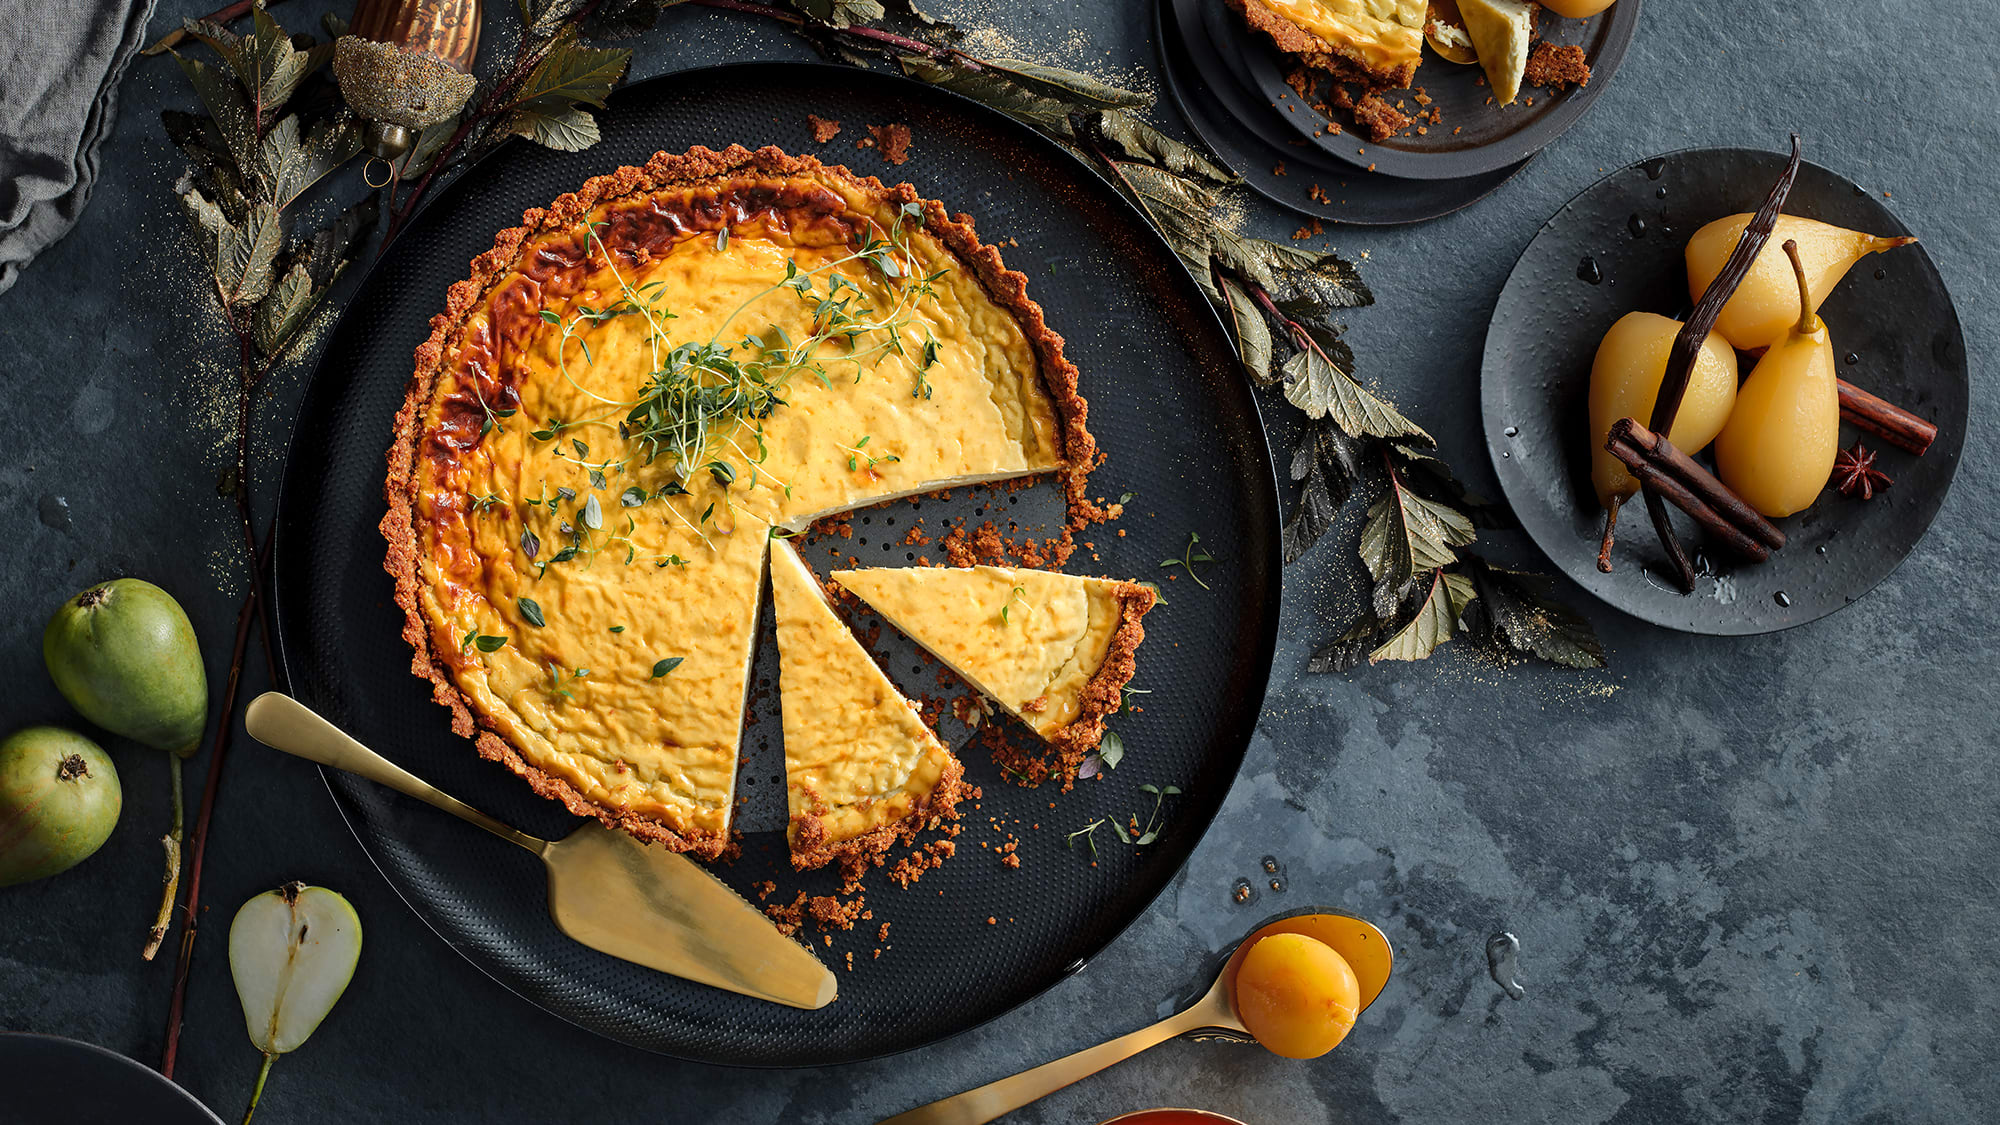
607,890
1213,1016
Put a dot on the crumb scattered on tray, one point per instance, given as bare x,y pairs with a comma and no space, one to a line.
1556,68
823,128
893,141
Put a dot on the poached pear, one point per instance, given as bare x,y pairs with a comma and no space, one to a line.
1766,306
59,801
1576,9
125,656
1778,447
1625,379
291,952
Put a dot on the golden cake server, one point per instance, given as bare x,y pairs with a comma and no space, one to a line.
607,890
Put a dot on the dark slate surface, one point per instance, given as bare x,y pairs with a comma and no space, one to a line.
1752,879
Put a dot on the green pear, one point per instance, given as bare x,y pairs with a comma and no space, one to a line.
292,952
124,654
59,801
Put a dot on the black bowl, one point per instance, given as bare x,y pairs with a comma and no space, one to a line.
1894,330
54,1081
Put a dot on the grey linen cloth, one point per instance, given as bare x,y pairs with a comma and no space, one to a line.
60,61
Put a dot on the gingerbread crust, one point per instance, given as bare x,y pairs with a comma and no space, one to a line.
1105,693
1316,52
735,167
811,849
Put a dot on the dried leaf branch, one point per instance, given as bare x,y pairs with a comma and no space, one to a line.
250,160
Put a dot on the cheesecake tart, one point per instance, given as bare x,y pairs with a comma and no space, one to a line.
860,765
1054,650
1376,44
630,395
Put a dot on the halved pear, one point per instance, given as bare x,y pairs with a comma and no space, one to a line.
292,952
1501,31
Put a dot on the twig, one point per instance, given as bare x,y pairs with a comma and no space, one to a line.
868,34
223,14
172,883
224,734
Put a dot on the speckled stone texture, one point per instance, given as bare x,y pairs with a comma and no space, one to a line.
1752,879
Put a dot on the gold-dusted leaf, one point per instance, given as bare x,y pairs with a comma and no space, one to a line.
1328,462
1348,650
1316,386
1406,533
993,88
1134,137
1077,90
269,67
571,73
1181,209
224,101
565,129
1252,333
337,243
292,165
244,256
429,144
1524,616
841,13
281,312
1434,623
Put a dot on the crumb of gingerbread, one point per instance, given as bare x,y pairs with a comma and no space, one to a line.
1312,229
1278,169
1556,68
823,129
840,525
892,141
830,913
1379,118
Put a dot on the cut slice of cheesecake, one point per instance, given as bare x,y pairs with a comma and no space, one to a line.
1501,31
861,767
1378,43
1055,650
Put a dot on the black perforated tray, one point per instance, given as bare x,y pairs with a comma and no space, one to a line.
1169,405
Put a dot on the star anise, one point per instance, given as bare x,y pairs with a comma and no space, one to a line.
1855,474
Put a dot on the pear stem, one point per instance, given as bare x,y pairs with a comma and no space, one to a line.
1808,316
172,841
257,1091
1610,531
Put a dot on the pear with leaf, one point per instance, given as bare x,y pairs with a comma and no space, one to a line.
292,952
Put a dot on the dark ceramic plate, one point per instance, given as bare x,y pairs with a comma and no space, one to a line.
1168,404
1243,131
1473,137
1894,331
49,1080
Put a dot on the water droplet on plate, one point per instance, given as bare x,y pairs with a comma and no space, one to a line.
1655,168
1512,431
1502,950
1821,549
1660,193
1783,599
1636,225
1880,273
55,511
1278,885
1242,892
1586,270
1853,358
1271,865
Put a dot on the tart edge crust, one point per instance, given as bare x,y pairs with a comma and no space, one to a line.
1104,694
1007,288
1316,52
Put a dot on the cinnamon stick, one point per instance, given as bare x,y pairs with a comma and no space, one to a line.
1674,478
1661,455
1885,419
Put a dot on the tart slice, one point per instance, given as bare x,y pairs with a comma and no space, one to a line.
1376,43
860,765
1054,649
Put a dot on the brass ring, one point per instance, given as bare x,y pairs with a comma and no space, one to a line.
372,162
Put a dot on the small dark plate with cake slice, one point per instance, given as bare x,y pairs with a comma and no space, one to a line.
1435,118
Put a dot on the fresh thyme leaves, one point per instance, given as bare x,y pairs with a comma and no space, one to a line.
531,544
1154,823
1191,556
531,610
618,628
669,664
1110,751
481,641
1126,499
1018,594
489,500
858,452
1125,701
593,513
557,678
1089,834
632,497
